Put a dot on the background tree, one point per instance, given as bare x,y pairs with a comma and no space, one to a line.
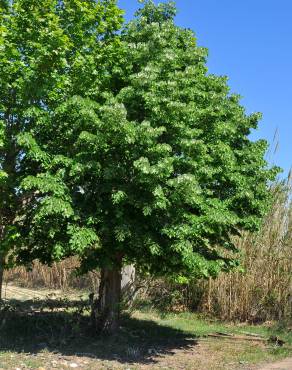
48,52
158,170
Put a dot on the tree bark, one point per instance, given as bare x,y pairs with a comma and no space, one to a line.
128,285
107,310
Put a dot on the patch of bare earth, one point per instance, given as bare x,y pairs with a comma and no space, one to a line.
280,365
208,355
22,294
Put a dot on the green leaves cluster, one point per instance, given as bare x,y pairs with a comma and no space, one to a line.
130,149
49,52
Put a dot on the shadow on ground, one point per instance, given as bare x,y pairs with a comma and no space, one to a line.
64,327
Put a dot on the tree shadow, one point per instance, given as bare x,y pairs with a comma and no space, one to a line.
64,327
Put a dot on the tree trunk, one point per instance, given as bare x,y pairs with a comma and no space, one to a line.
128,285
107,310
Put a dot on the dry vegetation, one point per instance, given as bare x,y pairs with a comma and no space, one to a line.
264,291
60,275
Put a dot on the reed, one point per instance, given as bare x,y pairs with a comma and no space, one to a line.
264,290
60,275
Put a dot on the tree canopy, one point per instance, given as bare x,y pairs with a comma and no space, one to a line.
48,53
145,159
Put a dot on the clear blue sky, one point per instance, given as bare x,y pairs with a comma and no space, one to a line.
250,41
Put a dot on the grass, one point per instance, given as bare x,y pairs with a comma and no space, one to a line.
200,326
56,334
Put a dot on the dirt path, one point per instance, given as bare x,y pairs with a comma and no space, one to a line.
280,365
23,294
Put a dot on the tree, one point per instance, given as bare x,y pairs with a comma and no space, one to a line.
48,52
158,170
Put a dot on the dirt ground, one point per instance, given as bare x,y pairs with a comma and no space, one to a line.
279,365
15,292
200,357
172,351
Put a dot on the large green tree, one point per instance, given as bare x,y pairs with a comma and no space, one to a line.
49,51
156,169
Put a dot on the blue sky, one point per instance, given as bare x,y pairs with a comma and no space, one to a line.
250,41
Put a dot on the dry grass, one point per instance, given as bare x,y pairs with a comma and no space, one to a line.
264,290
60,275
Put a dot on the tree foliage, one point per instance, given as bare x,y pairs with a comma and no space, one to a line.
48,52
145,158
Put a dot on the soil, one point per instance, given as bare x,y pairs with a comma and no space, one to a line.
280,365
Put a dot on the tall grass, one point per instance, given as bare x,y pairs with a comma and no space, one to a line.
59,276
264,290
